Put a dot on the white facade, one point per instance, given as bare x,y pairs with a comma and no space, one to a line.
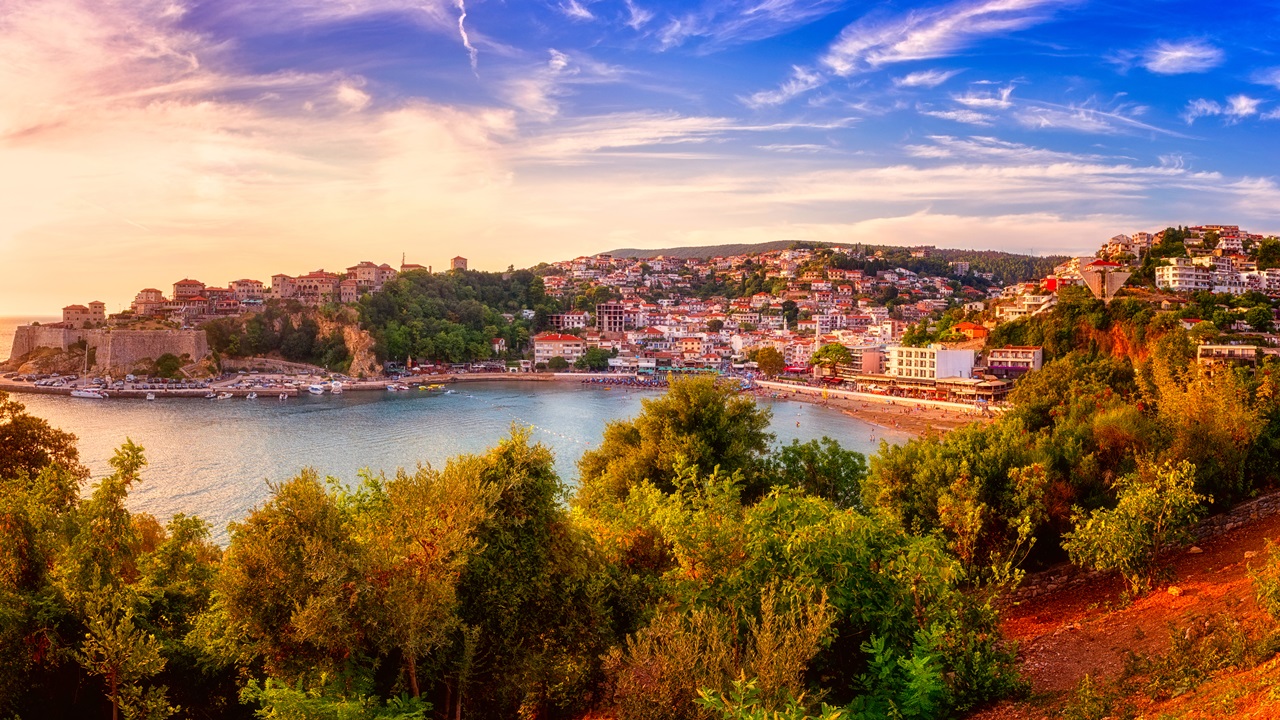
1183,276
929,363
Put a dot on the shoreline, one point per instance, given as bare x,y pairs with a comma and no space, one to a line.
902,415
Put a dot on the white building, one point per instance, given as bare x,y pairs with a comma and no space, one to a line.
929,363
1182,275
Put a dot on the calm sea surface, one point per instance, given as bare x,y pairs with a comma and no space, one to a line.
7,325
213,458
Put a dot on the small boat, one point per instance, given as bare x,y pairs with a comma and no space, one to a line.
91,394
315,389
151,396
284,396
251,396
224,396
210,396
335,387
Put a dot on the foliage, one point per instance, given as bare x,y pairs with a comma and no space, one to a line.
287,328
557,364
705,423
30,444
820,468
743,702
1266,580
594,359
278,701
830,355
1155,511
769,360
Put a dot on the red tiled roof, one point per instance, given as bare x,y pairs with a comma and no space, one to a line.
556,337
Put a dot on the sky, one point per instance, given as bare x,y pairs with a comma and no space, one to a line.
144,141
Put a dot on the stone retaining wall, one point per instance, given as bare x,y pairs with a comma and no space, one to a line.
1068,575
115,350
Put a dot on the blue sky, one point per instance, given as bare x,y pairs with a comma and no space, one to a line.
241,138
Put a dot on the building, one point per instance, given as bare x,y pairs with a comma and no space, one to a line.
1014,361
1227,354
318,287
185,289
569,320
1182,275
553,345
929,363
611,317
458,263
348,291
149,301
370,278
249,292
77,315
283,287
973,331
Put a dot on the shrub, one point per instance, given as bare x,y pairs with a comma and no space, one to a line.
1156,509
1266,580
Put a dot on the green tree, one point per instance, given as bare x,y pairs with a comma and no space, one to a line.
557,364
831,355
594,359
700,422
124,655
30,444
821,468
1155,511
770,361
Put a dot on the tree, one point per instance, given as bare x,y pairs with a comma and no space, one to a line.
770,361
30,444
715,325
557,364
594,359
821,468
831,355
124,655
699,422
1155,511
1259,318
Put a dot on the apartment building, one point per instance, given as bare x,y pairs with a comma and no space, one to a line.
552,345
1014,361
1182,275
929,363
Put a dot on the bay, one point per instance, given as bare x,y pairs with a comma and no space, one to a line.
9,325
214,458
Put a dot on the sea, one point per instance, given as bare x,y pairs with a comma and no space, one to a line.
216,458
8,325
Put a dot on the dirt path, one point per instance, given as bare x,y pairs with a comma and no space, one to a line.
1064,635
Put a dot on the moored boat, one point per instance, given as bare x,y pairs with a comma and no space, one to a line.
224,396
251,396
315,389
91,394
335,387
151,396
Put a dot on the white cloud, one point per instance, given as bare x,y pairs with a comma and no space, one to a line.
353,97
637,17
740,21
926,34
575,10
981,147
802,80
1188,56
971,117
1086,119
988,101
1268,76
925,78
1237,108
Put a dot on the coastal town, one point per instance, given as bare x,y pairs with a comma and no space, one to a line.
900,332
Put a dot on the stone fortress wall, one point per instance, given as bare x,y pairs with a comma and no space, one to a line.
115,350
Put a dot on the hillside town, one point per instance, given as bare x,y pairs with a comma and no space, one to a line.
656,314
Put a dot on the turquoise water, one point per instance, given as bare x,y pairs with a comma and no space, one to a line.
214,458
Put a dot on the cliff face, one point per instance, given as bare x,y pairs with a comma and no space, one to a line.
114,352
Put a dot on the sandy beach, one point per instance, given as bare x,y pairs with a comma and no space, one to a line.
901,414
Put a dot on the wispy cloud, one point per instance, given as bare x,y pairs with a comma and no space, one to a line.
1087,118
988,101
733,22
1237,108
802,80
1169,57
637,17
981,147
575,10
971,117
1268,76
925,78
927,34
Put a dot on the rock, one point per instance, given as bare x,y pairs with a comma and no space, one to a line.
1250,554
1195,550
1174,590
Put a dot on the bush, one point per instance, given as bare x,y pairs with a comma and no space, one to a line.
1156,510
1266,580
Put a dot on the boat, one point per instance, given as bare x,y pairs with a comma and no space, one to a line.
396,387
151,396
315,389
224,396
210,395
92,394
335,387
251,396
284,396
